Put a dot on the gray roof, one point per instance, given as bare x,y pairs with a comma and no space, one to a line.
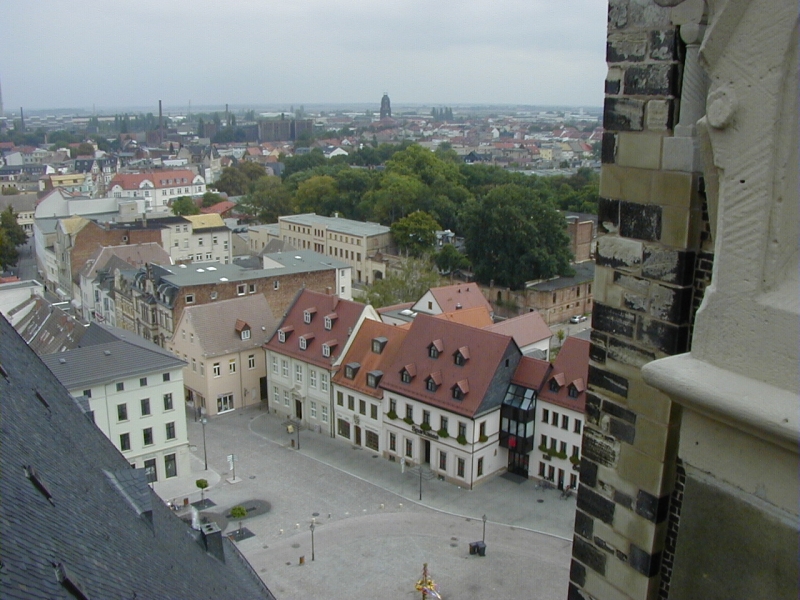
75,514
346,226
584,272
108,354
215,324
46,328
19,202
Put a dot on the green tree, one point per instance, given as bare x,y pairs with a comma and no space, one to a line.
239,512
415,234
184,205
8,251
416,276
85,149
513,236
318,194
210,199
232,182
448,259
301,162
202,484
15,232
253,171
268,200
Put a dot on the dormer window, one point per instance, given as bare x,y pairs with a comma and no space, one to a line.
308,315
554,387
573,391
329,320
246,334
378,344
433,381
350,370
243,329
408,373
435,349
304,340
557,382
327,348
284,333
374,378
460,389
461,356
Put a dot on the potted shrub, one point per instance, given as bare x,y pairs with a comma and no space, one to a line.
392,415
425,426
575,459
239,512
462,440
443,433
483,438
408,420
543,447
202,484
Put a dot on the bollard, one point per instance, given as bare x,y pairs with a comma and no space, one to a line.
302,560
292,442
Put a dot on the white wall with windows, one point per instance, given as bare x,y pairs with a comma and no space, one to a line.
145,419
558,444
358,417
299,390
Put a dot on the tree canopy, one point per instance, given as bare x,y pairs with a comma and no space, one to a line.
184,205
415,234
12,235
268,200
416,277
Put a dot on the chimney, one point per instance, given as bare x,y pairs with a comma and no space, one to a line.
458,306
212,540
329,291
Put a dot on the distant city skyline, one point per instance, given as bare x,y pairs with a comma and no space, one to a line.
86,54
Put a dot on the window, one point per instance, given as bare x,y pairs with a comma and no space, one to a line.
374,378
362,407
340,398
457,393
576,450
480,466
122,412
324,413
426,417
443,424
303,343
150,470
409,412
276,394
251,361
275,365
284,368
120,386
240,289
147,436
564,422
572,391
541,469
170,466
577,426
405,376
563,447
351,402
168,401
409,448
430,384
125,441
555,419
392,442
170,430
373,411
307,316
343,428
442,461
545,415
251,289
189,298
165,377
323,382
553,385
215,369
462,429
276,284
194,365
351,369
202,368
326,350
281,336
393,406
371,440
378,345
142,381
232,366
298,373
313,410
458,359
312,378
460,470
246,334
482,430
87,393
285,398
145,402
433,352
543,443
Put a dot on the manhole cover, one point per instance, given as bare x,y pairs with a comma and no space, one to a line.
454,545
252,476
295,545
265,546
454,539
288,564
540,500
314,514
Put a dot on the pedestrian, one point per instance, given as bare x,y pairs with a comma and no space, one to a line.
402,464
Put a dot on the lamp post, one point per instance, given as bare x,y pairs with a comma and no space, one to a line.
297,429
484,529
420,482
203,421
311,527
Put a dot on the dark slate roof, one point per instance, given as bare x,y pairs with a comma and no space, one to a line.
47,328
107,354
584,272
72,505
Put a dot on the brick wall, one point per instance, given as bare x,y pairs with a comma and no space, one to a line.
650,220
92,236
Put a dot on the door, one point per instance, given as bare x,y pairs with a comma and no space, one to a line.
262,386
358,435
561,479
427,452
518,463
298,409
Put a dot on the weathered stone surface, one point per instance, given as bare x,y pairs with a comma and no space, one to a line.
613,86
643,562
628,354
602,449
600,378
577,573
595,505
667,265
617,411
613,320
623,114
632,283
629,46
617,14
640,221
641,150
634,302
608,149
663,44
670,304
671,339
652,508
584,525
597,354
623,499
622,431
659,115
588,473
651,80
608,210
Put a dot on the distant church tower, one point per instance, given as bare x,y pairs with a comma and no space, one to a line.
386,107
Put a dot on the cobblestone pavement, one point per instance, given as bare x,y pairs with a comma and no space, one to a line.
372,534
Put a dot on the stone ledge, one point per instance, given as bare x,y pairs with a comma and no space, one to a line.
754,407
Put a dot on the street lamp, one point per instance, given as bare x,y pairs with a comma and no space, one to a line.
203,421
420,483
484,529
311,527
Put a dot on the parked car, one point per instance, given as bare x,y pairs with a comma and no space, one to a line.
577,319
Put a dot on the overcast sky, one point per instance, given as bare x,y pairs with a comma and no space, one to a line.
122,53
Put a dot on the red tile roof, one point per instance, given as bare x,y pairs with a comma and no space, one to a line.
485,375
361,352
477,316
159,179
526,329
459,297
295,327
